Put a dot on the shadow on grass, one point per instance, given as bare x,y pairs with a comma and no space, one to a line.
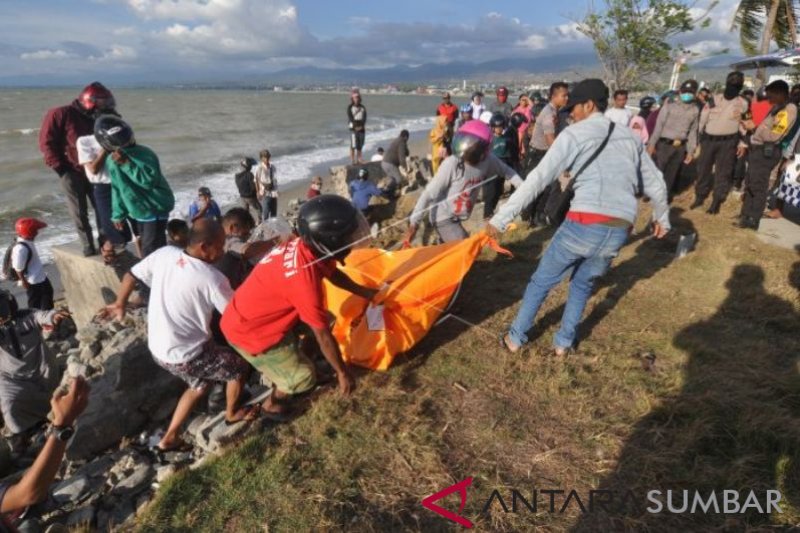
735,425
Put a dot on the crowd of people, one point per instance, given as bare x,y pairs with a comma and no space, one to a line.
221,304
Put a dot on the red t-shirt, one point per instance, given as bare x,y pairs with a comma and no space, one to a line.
450,111
312,193
285,286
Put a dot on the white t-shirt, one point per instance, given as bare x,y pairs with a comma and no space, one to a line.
376,157
184,291
622,117
88,150
19,256
477,110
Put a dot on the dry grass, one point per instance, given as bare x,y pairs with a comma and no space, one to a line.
719,409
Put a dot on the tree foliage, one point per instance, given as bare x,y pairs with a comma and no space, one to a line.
760,22
633,38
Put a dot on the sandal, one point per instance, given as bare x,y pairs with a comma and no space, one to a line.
509,346
251,413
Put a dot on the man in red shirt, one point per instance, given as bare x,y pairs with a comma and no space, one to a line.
285,288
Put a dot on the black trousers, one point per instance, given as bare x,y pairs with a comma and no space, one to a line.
40,296
756,184
715,168
532,160
492,191
669,159
153,235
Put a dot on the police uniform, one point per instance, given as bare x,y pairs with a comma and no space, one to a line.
719,136
675,135
765,154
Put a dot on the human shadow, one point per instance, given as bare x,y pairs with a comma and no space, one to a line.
735,425
652,256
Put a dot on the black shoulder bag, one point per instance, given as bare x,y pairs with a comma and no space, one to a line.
559,200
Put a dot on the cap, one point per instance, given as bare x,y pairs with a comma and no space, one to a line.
689,86
586,90
204,191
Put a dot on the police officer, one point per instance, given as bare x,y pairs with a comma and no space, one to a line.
674,138
765,151
719,138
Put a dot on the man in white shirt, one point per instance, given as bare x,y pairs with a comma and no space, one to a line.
378,155
185,288
619,113
92,157
477,105
28,267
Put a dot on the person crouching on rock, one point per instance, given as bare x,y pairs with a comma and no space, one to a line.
285,288
453,191
28,370
185,288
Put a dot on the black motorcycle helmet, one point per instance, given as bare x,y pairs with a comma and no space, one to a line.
498,120
8,306
517,120
113,133
332,226
647,102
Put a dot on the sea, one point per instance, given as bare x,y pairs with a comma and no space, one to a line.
200,135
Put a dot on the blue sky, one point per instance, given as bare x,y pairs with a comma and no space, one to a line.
61,40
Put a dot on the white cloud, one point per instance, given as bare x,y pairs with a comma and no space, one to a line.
43,55
117,52
534,42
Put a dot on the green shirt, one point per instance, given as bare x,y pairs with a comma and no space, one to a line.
138,188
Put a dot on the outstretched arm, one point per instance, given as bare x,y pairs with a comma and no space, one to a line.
341,280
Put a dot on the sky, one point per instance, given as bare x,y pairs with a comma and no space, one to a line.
61,40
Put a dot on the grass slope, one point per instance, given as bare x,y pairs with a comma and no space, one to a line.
719,408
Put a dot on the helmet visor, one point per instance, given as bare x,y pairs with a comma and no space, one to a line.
469,148
359,237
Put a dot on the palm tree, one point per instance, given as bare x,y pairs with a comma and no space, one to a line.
760,22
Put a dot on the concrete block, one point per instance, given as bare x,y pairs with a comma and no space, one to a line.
89,284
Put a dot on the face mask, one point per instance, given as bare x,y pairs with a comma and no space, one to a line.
687,98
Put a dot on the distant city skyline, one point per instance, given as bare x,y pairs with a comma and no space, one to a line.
61,41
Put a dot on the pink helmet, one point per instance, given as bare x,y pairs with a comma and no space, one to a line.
472,142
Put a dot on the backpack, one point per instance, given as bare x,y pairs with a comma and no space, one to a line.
8,273
246,184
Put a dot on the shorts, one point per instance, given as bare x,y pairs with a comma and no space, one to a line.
357,140
215,363
288,369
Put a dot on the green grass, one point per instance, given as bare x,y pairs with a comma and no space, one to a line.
719,410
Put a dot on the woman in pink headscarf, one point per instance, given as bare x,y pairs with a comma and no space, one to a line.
525,107
639,122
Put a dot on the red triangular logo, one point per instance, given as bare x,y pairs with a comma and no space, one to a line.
461,488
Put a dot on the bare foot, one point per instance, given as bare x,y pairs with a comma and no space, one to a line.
773,213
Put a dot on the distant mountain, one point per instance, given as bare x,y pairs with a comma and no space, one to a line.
433,72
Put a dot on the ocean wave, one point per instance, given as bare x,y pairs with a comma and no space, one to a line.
19,131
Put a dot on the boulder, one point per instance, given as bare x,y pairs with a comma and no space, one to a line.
127,387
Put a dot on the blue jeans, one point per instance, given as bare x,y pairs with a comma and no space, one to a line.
583,251
102,200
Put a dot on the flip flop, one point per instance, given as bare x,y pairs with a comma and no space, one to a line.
251,414
159,453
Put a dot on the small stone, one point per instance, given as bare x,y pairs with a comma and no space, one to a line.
164,472
77,369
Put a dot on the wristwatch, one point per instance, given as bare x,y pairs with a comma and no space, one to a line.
62,433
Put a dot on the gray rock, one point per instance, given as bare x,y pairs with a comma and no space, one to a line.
164,472
75,369
83,516
71,490
135,483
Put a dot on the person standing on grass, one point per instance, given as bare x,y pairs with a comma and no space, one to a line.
139,191
267,186
246,184
285,288
720,133
357,123
765,152
674,139
185,289
28,267
394,158
619,113
601,215
58,138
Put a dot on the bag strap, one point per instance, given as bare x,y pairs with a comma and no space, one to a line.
30,254
591,159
